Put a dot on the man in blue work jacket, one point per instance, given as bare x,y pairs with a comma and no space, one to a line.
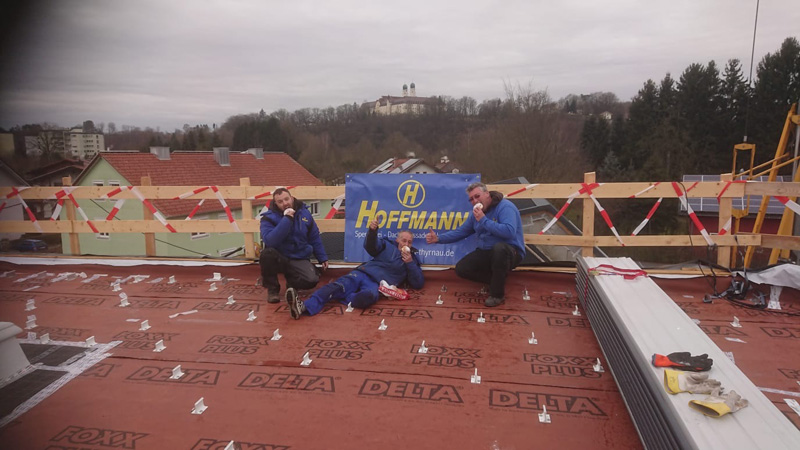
290,236
501,246
392,263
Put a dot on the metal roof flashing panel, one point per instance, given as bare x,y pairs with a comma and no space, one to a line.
633,319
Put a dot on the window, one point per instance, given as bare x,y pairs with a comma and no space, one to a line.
96,183
313,208
104,236
229,251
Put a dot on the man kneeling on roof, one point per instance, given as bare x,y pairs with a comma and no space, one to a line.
290,236
392,263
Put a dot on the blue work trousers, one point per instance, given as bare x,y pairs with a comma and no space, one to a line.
355,288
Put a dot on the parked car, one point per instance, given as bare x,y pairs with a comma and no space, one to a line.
31,245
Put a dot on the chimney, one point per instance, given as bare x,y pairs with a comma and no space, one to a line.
258,152
222,156
162,153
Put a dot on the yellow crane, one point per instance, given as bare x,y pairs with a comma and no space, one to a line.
781,159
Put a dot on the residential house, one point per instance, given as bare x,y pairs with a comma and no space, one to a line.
404,165
12,208
220,168
52,175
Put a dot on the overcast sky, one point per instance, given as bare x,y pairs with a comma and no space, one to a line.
164,63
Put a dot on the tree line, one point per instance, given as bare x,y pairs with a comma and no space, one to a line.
670,128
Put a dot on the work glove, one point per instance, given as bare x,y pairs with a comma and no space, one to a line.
676,381
718,405
683,361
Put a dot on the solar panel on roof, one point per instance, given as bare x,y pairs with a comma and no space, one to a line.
711,205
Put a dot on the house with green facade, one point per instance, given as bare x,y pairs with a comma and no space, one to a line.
184,168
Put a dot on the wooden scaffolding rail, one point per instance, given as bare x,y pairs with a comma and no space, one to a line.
725,189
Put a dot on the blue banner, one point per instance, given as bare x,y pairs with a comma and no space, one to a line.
414,202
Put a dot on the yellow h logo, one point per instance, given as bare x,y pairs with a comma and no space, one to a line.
411,193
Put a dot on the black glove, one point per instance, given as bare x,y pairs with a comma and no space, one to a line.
683,361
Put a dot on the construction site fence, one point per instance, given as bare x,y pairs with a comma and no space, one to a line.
725,190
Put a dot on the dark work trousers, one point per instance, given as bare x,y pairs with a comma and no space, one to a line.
355,288
490,267
299,273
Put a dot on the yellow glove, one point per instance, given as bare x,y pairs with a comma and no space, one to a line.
718,405
676,381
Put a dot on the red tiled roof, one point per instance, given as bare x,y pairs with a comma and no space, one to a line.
200,169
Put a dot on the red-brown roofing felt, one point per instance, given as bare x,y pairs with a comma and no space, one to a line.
200,169
365,388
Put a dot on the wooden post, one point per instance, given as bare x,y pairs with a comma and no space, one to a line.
725,211
247,213
149,238
588,217
74,238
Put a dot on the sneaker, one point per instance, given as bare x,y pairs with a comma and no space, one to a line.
494,301
273,297
296,307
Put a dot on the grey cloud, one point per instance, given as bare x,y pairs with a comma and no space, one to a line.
162,64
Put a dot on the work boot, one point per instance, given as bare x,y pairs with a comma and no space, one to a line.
273,297
296,307
494,301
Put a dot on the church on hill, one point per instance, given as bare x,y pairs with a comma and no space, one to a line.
408,103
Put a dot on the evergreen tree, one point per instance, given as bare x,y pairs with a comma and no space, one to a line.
777,87
189,142
667,97
174,144
643,118
699,108
595,140
734,94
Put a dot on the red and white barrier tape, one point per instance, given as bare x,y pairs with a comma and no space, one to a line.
336,204
83,214
191,193
116,191
194,211
608,269
725,228
692,215
15,193
607,219
268,193
649,215
789,203
526,188
59,204
226,207
559,213
727,185
645,189
115,209
152,209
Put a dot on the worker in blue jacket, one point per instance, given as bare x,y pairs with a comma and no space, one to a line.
501,246
392,261
290,236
